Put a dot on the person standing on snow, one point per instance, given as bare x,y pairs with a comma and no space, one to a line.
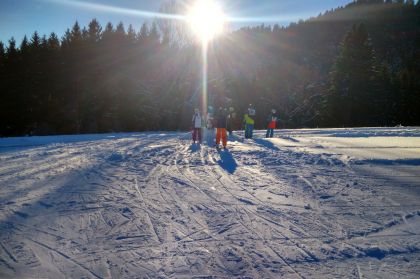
271,123
210,135
196,124
221,125
231,120
249,122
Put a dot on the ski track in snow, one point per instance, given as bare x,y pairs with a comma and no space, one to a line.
305,204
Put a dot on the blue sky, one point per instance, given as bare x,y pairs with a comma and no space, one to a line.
20,17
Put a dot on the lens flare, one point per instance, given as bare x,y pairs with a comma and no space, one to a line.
95,7
206,19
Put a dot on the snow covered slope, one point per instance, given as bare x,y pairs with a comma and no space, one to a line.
337,203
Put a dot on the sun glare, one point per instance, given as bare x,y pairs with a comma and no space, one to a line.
206,19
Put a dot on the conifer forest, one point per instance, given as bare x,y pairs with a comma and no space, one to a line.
353,66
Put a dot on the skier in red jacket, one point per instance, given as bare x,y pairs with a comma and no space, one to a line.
271,123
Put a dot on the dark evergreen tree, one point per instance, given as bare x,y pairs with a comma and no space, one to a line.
143,33
387,102
94,31
2,61
2,87
353,95
11,107
408,99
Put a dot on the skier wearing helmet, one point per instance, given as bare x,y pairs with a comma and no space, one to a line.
196,124
271,123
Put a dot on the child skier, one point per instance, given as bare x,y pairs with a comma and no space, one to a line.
196,124
221,124
210,135
249,122
231,120
271,123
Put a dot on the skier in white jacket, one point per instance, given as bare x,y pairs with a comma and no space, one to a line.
196,126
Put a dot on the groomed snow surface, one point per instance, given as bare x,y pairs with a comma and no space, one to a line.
336,203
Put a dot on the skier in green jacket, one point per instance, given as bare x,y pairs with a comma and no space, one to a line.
249,121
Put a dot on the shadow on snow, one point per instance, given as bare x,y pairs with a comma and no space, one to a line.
194,147
227,162
266,144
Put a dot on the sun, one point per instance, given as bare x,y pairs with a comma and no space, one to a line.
206,19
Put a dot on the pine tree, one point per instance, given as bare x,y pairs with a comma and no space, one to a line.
154,37
120,30
2,50
10,105
2,87
387,104
143,33
33,92
53,42
53,102
108,32
35,40
65,40
353,90
24,45
94,31
131,34
2,65
76,34
408,99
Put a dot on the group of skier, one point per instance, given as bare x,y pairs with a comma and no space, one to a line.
225,120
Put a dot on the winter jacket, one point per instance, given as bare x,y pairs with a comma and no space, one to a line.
271,121
210,121
221,119
230,121
196,121
248,119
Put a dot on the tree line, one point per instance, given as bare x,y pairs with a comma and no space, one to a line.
352,66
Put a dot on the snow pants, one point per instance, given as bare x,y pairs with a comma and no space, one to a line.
196,135
221,134
210,135
270,133
249,128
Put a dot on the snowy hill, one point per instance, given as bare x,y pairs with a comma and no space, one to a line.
338,203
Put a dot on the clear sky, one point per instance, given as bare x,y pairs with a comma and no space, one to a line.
20,17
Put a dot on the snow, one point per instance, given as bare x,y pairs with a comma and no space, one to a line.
310,203
385,148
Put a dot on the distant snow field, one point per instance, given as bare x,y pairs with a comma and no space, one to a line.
359,145
310,203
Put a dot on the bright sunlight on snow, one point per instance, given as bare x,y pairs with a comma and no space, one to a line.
322,203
